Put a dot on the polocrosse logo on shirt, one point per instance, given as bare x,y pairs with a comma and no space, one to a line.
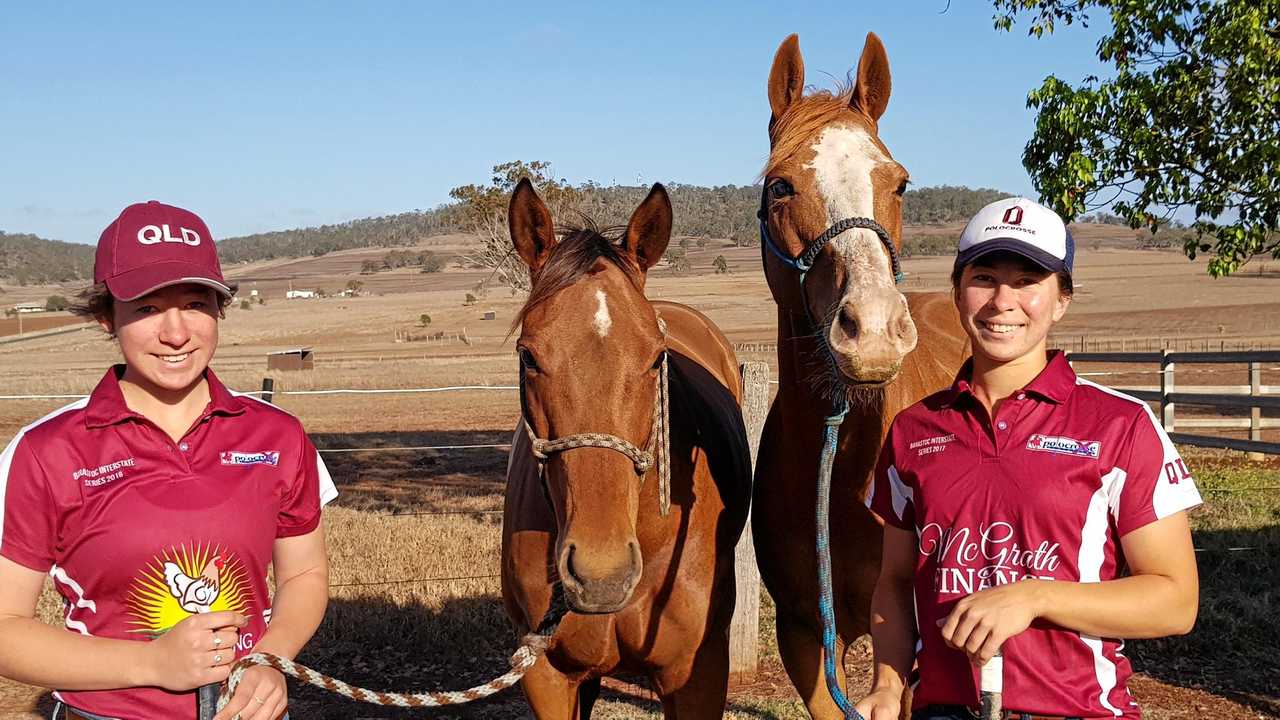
262,457
1065,446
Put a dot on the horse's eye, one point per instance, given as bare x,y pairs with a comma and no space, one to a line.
902,188
526,360
779,189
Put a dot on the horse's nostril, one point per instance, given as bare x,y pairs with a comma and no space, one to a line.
568,563
849,322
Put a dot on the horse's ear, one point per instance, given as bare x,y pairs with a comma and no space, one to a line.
786,79
532,231
649,229
871,93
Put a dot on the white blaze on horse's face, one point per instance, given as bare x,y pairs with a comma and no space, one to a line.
602,322
870,325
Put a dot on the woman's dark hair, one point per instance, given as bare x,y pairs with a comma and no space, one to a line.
96,301
1064,278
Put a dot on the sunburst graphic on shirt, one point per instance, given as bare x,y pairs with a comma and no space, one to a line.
180,583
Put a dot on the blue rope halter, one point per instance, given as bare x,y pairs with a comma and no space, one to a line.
830,432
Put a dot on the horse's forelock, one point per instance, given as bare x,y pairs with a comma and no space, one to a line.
803,120
575,256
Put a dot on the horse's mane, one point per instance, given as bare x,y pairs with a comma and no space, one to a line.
806,116
575,255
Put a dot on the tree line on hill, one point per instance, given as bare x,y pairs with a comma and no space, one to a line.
27,259
724,211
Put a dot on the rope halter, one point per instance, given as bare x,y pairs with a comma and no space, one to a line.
655,455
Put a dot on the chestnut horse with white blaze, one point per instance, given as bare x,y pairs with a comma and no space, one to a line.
831,225
628,482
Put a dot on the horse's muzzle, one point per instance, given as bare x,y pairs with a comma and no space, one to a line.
596,585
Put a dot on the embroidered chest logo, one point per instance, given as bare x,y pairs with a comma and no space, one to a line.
931,445
262,457
1065,446
180,583
103,474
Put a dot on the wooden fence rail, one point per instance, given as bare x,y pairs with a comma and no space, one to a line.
1169,395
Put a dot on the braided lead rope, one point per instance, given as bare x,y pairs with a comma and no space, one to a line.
534,645
662,441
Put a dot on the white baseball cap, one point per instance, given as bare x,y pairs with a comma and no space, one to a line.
1020,226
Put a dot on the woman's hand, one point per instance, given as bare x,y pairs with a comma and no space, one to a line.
882,704
980,623
261,695
197,651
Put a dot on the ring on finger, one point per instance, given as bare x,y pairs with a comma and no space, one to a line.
217,642
217,659
259,700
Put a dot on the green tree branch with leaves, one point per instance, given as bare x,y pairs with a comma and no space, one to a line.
1190,122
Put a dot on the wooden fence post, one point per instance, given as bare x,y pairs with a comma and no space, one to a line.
268,389
1166,387
744,630
1255,412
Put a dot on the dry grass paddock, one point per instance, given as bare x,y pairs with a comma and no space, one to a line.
414,537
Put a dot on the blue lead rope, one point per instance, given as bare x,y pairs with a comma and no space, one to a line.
830,434
825,595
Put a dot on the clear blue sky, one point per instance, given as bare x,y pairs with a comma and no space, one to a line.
261,116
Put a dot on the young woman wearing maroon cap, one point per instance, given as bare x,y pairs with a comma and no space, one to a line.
1028,512
158,503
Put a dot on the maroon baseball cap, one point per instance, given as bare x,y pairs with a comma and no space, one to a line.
153,245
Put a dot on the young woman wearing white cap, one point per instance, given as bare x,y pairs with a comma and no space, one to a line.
158,503
1028,512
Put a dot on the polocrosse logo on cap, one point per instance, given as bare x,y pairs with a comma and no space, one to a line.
1013,216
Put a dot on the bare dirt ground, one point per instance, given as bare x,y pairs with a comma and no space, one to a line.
415,605
36,322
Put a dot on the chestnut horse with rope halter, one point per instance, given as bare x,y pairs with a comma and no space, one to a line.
629,476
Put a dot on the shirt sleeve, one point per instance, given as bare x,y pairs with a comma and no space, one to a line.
28,525
310,488
890,497
1156,481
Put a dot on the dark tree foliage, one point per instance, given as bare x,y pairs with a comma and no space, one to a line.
945,203
388,231
1189,121
722,212
725,211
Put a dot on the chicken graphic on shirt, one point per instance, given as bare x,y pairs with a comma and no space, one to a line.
188,579
195,594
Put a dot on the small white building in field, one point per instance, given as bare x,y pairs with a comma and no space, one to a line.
300,294
29,307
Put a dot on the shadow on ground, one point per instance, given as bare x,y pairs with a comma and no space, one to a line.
381,645
415,480
1232,649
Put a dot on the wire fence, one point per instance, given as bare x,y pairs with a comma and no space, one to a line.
506,446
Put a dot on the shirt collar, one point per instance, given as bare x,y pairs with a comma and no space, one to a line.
1054,383
108,407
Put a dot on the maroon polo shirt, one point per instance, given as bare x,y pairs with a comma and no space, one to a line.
1046,489
140,532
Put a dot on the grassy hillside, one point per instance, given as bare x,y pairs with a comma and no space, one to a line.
30,260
